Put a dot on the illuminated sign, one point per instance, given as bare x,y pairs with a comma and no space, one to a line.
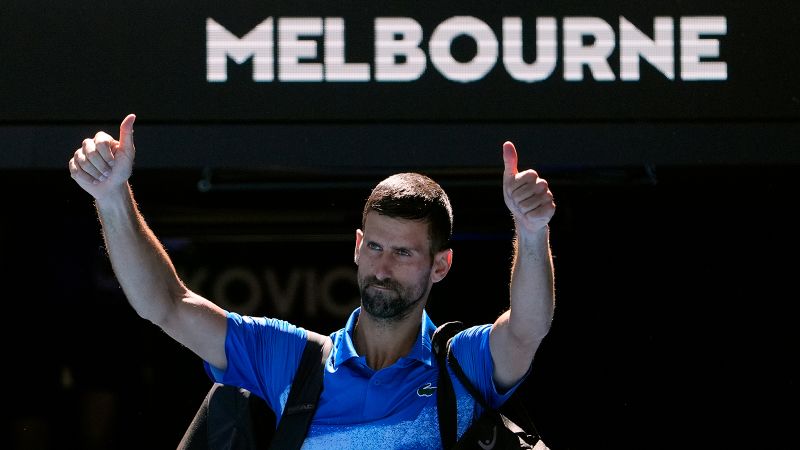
282,62
287,45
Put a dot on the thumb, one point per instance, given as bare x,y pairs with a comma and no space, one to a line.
509,159
126,133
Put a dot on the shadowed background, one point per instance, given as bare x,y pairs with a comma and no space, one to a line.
674,234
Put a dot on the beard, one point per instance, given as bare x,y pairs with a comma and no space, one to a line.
389,300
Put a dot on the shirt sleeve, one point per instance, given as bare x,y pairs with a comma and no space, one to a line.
471,349
263,355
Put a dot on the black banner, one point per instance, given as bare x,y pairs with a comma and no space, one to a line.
278,61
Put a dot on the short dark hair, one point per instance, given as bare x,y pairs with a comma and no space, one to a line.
414,196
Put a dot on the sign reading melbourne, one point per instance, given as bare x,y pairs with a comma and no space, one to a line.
287,45
384,61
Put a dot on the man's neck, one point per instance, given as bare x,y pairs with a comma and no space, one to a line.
382,342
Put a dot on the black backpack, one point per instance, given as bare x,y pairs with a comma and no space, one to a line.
230,418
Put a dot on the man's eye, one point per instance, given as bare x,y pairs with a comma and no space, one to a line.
373,246
404,253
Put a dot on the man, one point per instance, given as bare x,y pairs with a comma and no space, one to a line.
380,378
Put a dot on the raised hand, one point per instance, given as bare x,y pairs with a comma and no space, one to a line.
103,164
527,196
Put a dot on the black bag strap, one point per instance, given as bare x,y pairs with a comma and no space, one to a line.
512,404
304,394
445,395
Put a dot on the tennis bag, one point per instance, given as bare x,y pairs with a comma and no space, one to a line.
493,429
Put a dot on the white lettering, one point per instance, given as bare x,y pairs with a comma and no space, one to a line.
593,55
693,48
221,44
635,45
336,69
292,49
546,48
397,53
314,49
442,39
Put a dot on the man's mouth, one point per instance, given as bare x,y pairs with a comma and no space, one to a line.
382,287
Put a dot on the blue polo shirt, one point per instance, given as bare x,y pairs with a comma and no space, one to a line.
360,408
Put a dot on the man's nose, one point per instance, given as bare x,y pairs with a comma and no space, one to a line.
383,267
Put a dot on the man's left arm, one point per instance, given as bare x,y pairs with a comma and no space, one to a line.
517,333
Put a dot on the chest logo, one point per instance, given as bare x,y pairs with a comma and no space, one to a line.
426,390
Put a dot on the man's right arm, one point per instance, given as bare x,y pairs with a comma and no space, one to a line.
145,272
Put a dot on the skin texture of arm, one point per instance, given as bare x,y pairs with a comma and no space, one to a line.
145,272
517,333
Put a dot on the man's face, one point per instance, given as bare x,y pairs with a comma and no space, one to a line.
395,269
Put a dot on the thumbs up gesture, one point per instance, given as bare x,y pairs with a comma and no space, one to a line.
527,196
103,164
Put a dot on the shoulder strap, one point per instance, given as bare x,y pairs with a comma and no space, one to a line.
513,404
304,394
445,395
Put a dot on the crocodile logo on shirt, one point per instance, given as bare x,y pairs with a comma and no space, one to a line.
426,390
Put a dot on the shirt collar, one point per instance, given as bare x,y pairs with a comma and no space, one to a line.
421,351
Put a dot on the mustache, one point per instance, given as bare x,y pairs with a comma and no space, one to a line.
385,284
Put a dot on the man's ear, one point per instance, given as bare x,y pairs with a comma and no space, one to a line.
359,238
442,261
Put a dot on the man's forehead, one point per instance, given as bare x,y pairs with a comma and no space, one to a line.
412,232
